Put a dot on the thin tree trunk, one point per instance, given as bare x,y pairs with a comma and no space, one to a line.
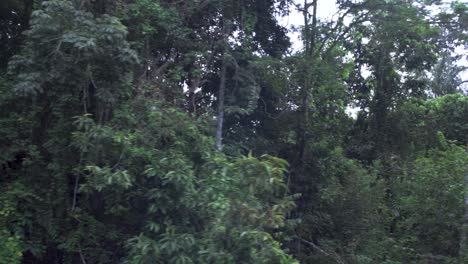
194,83
221,91
309,47
463,250
220,116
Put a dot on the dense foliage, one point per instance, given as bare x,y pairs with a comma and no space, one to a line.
161,131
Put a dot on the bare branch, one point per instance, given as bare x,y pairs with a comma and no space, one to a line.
335,256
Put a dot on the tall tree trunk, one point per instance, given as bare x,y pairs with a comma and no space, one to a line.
463,250
309,47
220,116
193,85
221,91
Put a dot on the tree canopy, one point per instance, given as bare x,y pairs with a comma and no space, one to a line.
162,131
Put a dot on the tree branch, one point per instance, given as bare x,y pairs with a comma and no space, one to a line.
335,256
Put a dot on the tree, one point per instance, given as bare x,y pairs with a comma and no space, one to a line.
14,19
89,183
446,79
169,131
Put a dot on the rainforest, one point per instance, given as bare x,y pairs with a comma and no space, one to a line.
233,131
